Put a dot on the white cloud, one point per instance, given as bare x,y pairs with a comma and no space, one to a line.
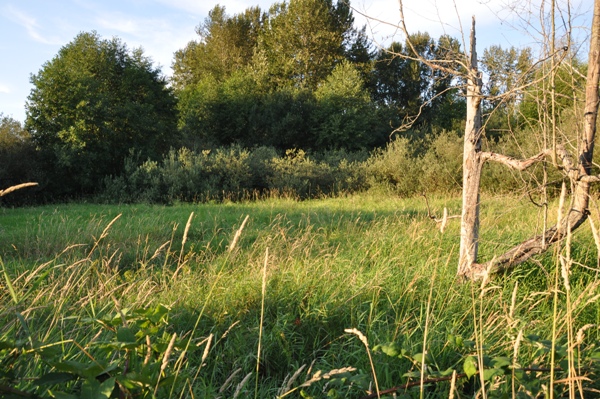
4,89
34,30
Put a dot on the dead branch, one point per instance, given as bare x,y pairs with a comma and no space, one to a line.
444,220
518,164
428,381
15,188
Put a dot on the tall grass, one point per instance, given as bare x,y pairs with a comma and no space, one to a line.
78,276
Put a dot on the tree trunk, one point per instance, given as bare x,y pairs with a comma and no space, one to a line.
580,175
472,165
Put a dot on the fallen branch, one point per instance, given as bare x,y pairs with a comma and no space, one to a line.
444,220
448,378
412,384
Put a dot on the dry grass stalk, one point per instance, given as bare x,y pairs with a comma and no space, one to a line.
103,235
229,379
167,354
240,386
206,348
148,351
237,235
262,312
185,235
363,339
452,385
15,188
288,382
596,236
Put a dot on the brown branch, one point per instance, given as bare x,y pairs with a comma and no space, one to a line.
410,385
443,220
514,163
15,188
442,379
4,389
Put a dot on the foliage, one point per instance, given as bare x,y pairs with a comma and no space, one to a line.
344,116
127,359
413,90
18,159
569,80
232,173
90,105
226,45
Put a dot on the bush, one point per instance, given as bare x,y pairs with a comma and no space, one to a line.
394,168
441,165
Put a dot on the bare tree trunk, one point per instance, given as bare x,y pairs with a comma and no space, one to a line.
580,175
472,165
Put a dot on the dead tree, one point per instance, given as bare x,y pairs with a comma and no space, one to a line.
579,173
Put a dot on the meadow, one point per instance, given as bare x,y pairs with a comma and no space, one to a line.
345,297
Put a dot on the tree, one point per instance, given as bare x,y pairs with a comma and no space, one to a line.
18,159
304,40
579,173
91,105
419,94
226,45
344,116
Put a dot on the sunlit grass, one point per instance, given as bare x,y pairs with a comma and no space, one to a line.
364,262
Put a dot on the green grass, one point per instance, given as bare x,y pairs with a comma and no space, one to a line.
365,262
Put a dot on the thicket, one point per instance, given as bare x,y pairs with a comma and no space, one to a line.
425,164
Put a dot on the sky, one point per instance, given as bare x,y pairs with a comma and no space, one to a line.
33,31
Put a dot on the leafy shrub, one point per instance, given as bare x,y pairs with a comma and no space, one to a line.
394,168
299,175
441,165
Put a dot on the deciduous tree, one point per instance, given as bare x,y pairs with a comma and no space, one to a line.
93,103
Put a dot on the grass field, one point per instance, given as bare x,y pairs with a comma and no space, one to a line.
153,301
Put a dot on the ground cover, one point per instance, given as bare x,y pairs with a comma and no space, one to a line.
153,300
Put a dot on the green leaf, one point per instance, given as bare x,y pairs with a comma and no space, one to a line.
418,357
9,284
106,389
412,374
446,372
392,349
93,389
488,374
125,334
501,361
55,378
71,366
470,366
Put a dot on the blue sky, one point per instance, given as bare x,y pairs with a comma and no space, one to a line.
32,31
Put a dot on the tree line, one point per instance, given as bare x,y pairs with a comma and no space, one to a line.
297,76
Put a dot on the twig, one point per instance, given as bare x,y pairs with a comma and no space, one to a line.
443,220
412,384
442,379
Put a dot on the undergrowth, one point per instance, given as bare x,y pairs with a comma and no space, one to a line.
349,297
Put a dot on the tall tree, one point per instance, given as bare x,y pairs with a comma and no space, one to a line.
345,115
418,93
18,159
226,44
303,40
91,105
